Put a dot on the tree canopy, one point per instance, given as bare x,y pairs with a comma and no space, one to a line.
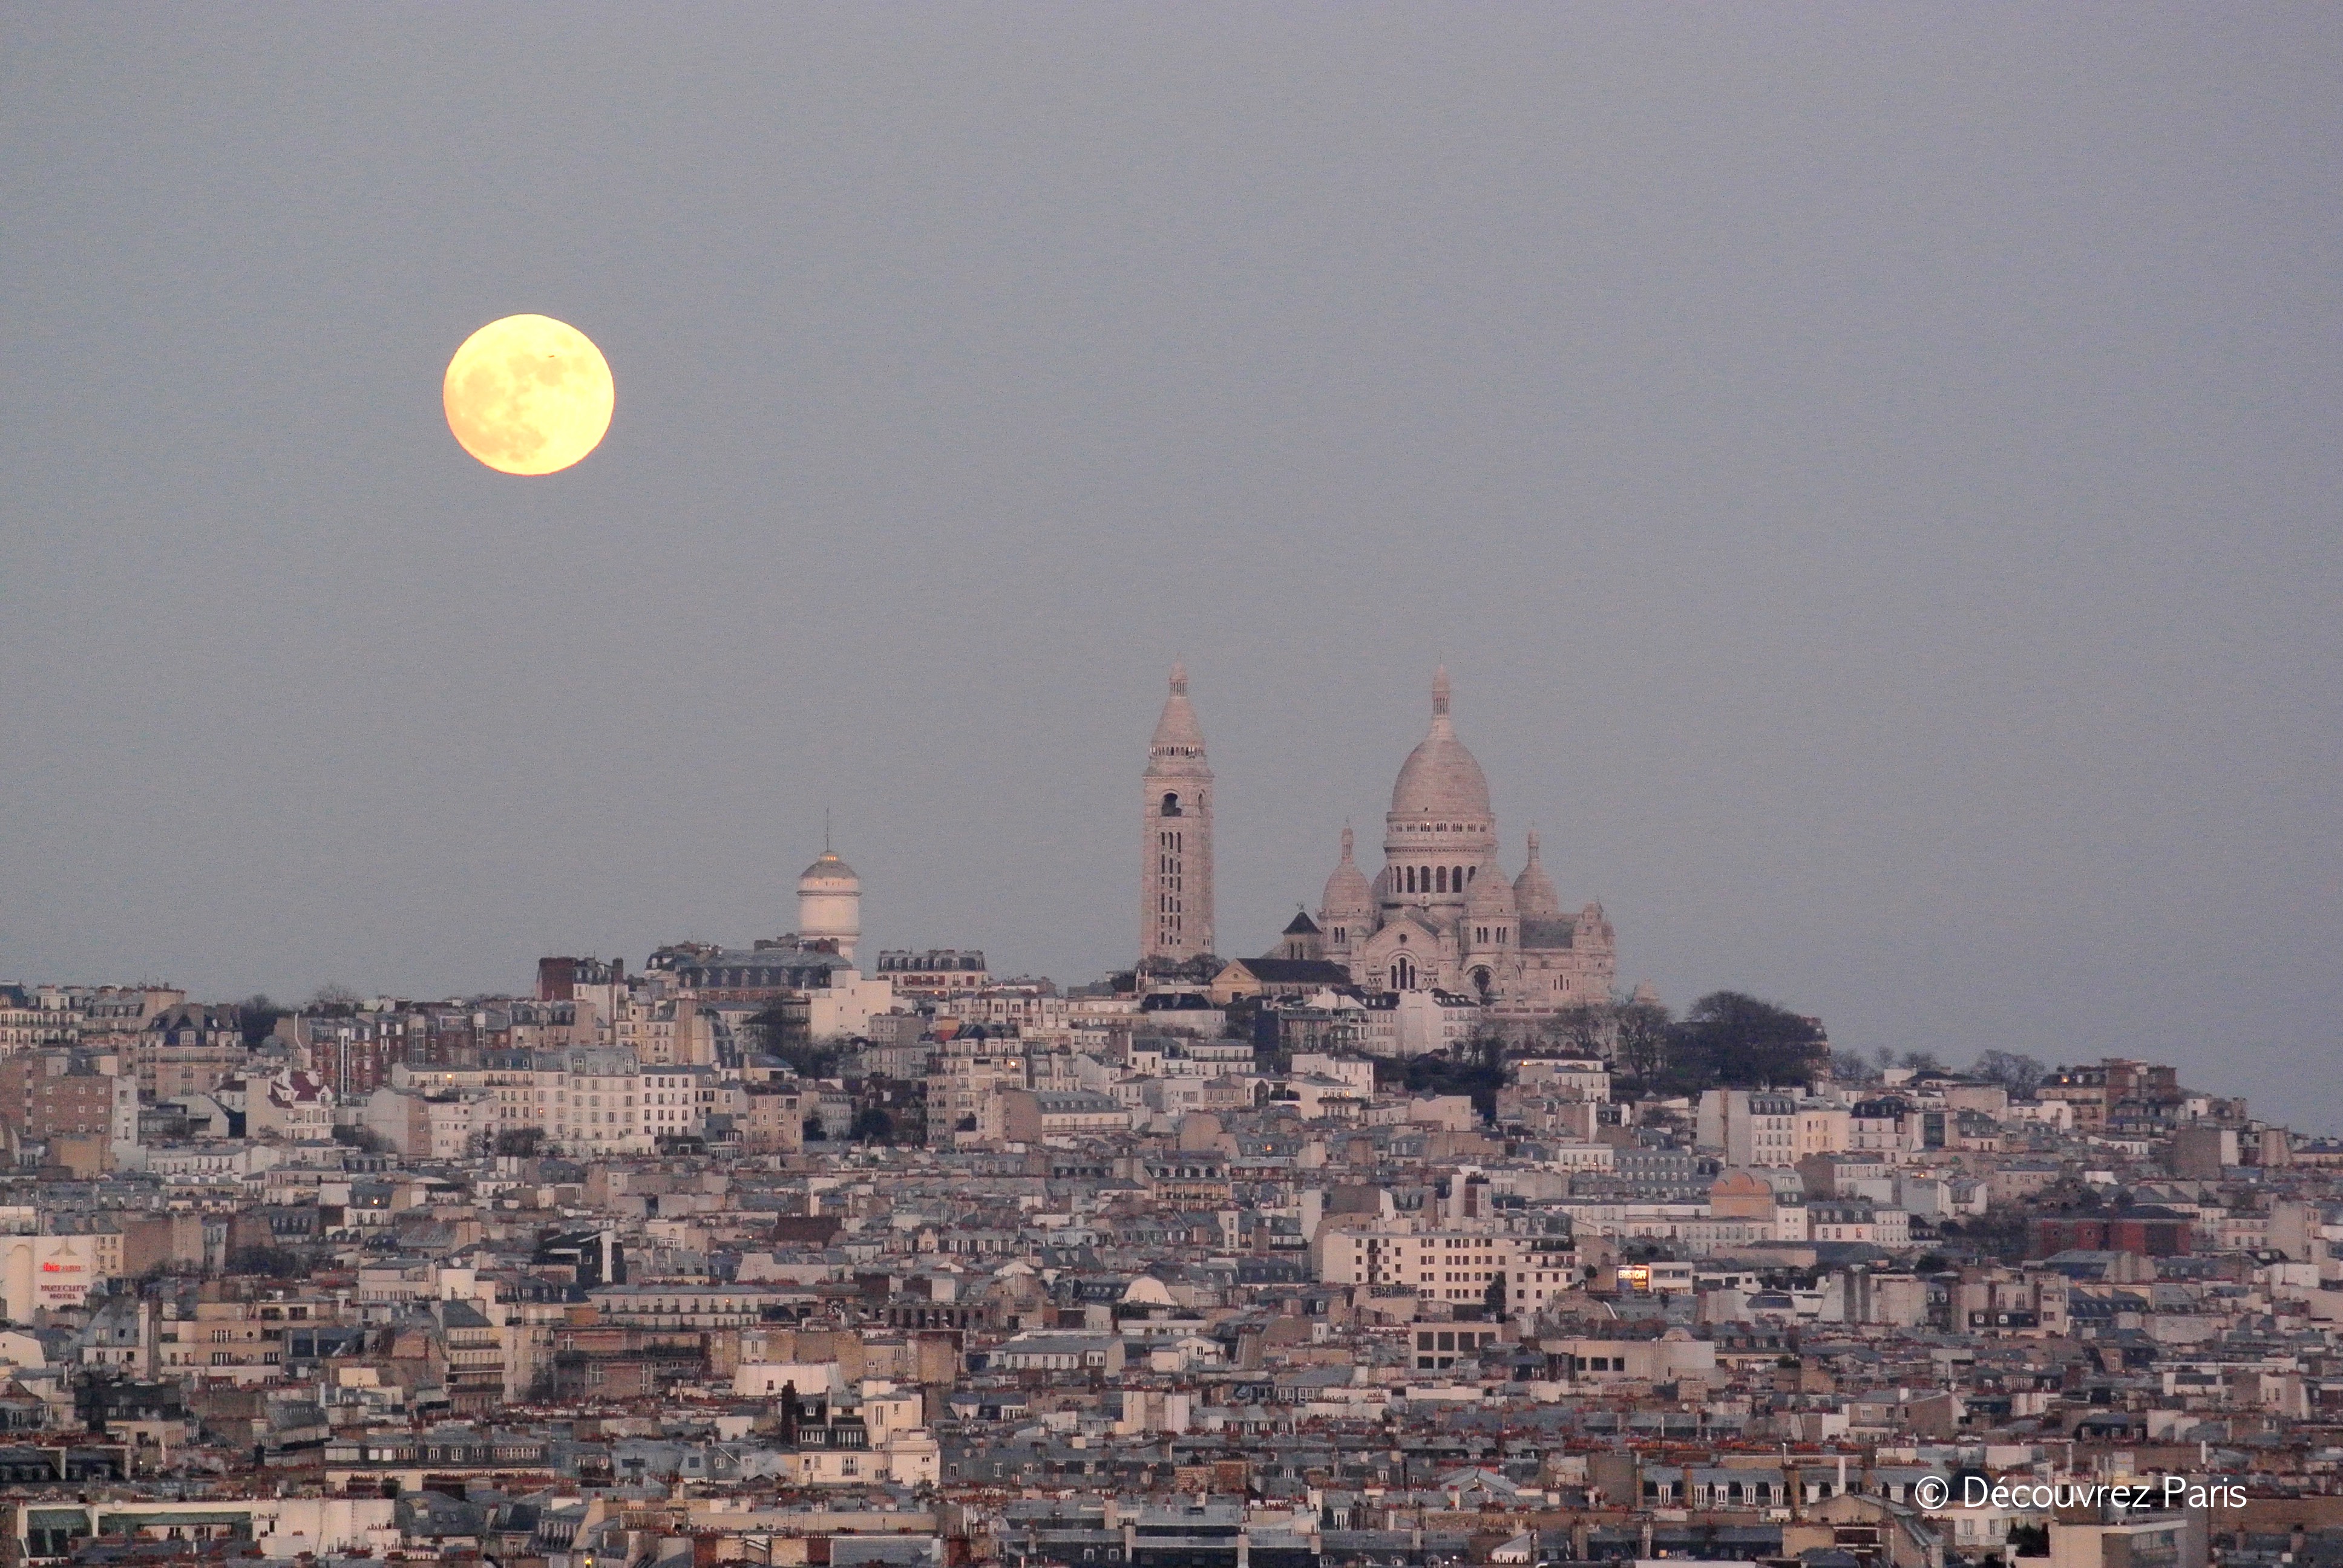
781,1032
256,1016
1476,1067
1729,1040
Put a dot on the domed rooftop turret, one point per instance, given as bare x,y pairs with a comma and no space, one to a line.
1533,891
1347,892
1440,777
829,870
830,905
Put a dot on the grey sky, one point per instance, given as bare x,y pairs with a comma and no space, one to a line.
1871,472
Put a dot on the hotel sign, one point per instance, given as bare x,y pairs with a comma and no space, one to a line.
63,1273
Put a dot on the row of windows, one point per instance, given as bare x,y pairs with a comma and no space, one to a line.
560,1096
1436,878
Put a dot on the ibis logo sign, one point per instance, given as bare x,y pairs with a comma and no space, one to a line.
64,1272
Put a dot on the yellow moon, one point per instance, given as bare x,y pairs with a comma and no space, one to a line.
528,394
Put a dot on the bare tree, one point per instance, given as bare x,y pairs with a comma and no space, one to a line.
2017,1073
1851,1067
1640,1031
1583,1029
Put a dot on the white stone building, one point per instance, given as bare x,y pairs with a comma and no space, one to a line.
1440,913
1455,1261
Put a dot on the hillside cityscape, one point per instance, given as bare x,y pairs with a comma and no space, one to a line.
1421,1238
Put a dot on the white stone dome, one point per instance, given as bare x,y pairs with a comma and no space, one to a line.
1347,892
1440,778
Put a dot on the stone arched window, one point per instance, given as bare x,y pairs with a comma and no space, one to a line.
1170,804
1440,879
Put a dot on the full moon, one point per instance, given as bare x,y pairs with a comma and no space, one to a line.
528,394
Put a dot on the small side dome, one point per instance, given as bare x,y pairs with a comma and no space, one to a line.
1348,895
1533,890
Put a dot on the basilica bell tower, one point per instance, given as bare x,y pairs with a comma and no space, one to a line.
1175,882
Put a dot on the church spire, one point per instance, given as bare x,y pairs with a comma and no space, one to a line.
1179,677
1440,692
